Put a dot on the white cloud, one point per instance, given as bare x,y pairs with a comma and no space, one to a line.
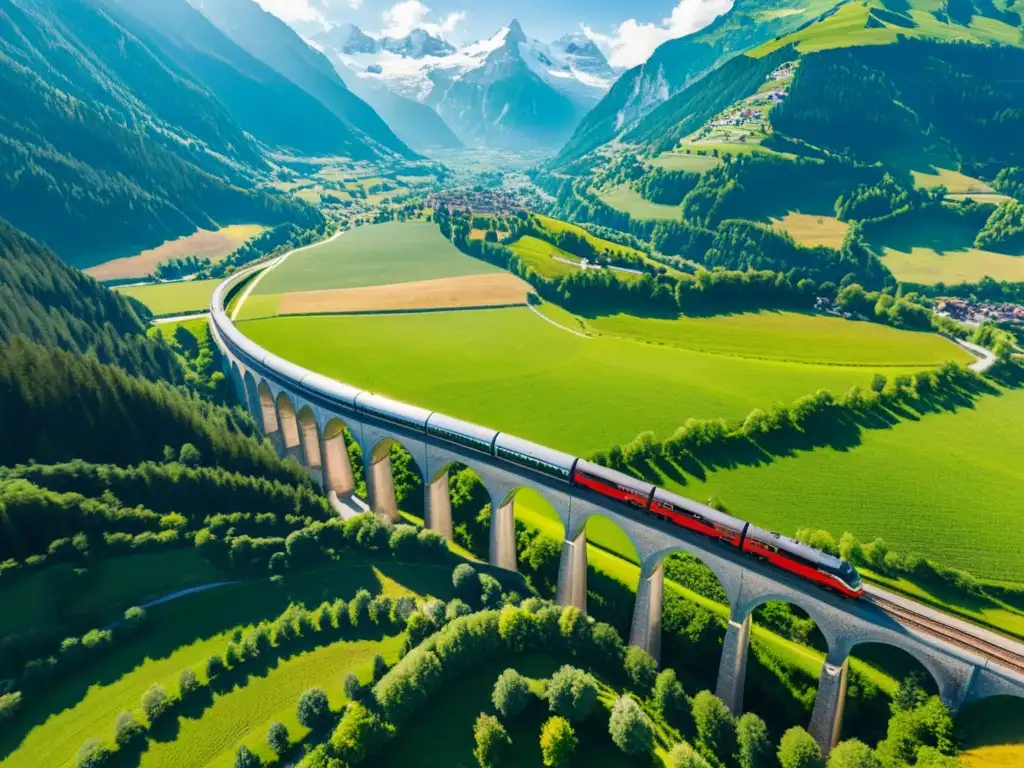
633,41
402,18
293,10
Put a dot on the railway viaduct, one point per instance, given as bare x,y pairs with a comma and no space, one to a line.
309,427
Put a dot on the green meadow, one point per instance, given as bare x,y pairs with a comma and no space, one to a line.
626,199
375,254
541,254
509,369
172,298
184,633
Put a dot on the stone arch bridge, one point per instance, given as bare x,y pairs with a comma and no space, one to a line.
289,403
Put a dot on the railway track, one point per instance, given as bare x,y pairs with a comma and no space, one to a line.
950,634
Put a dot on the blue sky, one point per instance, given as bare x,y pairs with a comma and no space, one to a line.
627,31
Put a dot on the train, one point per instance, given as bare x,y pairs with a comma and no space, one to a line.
780,551
824,570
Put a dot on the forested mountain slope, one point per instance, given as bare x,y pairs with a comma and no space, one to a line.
107,146
678,63
273,42
80,378
52,304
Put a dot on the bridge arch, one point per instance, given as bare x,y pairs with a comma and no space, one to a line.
509,502
947,684
289,424
268,411
252,400
309,439
823,619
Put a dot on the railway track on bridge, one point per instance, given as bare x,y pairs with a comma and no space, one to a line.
961,638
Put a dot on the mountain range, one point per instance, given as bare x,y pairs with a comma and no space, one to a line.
508,91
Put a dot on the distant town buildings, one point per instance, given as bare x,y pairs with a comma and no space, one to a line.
977,312
497,201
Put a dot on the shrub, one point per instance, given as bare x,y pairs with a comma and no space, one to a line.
511,693
155,703
852,754
188,683
798,749
214,667
641,669
277,738
244,758
134,617
557,742
402,609
671,702
352,687
379,610
754,744
360,734
435,611
685,756
490,591
380,667
403,541
314,710
492,741
96,638
358,608
233,655
93,754
432,544
630,728
572,693
466,583
455,609
10,703
127,730
715,725
418,629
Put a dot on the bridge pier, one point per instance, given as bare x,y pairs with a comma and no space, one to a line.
438,506
645,631
503,536
572,573
381,487
827,718
310,441
732,671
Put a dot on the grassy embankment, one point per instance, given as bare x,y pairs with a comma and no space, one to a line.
174,298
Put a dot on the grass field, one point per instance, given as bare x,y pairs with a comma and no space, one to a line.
812,230
376,254
625,198
992,733
539,254
925,248
920,18
103,593
788,336
183,634
946,486
510,370
204,243
955,182
680,161
172,298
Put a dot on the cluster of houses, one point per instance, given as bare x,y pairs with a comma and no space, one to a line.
977,312
495,201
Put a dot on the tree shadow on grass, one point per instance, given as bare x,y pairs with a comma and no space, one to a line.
186,621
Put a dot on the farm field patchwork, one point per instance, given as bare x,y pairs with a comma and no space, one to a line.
494,290
376,254
204,243
813,230
788,336
171,298
625,198
508,369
